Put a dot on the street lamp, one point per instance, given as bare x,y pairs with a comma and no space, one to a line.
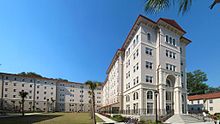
156,93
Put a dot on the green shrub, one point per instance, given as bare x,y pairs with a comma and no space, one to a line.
118,118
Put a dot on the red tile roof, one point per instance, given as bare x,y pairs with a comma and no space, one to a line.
173,23
205,96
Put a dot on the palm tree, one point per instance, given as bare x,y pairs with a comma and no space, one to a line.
154,6
53,106
90,104
23,95
92,86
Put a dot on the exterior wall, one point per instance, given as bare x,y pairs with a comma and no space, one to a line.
46,94
40,93
74,97
212,105
112,90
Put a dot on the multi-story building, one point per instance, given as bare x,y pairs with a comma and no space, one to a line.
112,89
208,102
41,92
45,94
153,69
75,97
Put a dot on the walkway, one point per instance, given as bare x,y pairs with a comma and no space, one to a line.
107,120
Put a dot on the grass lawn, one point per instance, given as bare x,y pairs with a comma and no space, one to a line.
51,118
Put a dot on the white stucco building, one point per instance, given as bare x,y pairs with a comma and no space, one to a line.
45,94
40,92
209,102
153,62
74,97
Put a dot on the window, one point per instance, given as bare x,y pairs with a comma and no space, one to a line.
149,79
22,85
149,108
37,97
15,79
148,51
37,92
134,81
170,67
198,102
127,85
38,86
170,54
167,38
211,108
210,101
14,90
135,96
14,96
14,84
170,40
134,56
127,98
149,95
174,42
6,95
137,53
6,83
6,89
137,66
30,85
149,65
168,95
137,79
148,36
23,80
137,38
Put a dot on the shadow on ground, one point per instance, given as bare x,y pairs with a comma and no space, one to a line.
27,119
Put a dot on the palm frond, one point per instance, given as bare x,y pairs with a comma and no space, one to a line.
184,6
154,6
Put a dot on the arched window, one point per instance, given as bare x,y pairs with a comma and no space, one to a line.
170,40
167,38
174,42
168,83
127,98
148,36
136,95
149,95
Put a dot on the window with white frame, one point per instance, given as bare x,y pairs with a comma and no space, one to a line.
148,37
127,98
170,54
148,51
149,65
149,108
149,95
170,67
149,79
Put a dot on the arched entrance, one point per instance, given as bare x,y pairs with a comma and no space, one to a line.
170,83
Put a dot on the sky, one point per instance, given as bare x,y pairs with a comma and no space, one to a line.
77,39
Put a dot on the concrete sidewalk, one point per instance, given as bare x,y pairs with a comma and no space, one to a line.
107,120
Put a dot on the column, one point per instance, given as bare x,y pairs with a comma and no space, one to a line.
141,102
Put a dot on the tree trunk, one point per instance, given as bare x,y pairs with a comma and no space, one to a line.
93,107
22,107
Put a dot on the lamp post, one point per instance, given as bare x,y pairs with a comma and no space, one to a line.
156,93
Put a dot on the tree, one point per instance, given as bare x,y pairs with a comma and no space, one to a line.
213,89
155,6
92,86
90,103
53,106
23,95
195,82
32,74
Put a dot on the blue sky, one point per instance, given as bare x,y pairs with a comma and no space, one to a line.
76,39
